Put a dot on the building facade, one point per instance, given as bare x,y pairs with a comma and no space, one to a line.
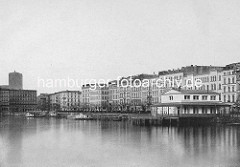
99,97
22,100
65,101
224,80
4,100
178,102
86,97
43,102
230,85
114,101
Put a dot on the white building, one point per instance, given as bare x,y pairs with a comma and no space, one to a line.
179,102
65,100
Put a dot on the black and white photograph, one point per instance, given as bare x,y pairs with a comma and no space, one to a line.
119,83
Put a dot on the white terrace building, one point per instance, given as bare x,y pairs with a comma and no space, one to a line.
178,102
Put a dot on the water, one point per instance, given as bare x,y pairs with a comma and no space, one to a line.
62,142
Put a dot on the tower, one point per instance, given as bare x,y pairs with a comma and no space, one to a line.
15,80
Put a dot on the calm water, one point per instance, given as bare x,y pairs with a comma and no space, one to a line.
61,142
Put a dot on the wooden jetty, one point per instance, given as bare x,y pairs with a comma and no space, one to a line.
174,120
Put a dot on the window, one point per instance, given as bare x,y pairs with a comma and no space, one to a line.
220,78
220,87
224,98
195,97
204,97
195,110
229,89
187,97
170,97
213,97
233,89
233,98
233,80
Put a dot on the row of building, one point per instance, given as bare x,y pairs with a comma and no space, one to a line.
14,98
121,95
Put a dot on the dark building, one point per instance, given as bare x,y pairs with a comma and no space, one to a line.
4,100
43,102
22,100
15,80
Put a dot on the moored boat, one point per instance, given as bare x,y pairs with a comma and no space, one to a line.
29,115
79,117
52,114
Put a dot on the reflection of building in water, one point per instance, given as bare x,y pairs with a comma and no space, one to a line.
15,134
210,140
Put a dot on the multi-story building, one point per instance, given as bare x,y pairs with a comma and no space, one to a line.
230,83
22,100
165,81
4,100
125,97
134,97
14,99
65,101
15,80
43,102
99,97
86,97
95,97
222,80
114,101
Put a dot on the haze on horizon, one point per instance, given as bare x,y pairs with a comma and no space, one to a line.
93,39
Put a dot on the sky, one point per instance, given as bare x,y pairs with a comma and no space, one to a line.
104,39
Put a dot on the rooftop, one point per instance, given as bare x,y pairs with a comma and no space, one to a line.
183,91
206,103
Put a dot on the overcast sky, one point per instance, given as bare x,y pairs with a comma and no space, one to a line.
85,39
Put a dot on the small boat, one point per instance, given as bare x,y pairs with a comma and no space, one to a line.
29,115
83,117
52,114
234,124
70,116
79,117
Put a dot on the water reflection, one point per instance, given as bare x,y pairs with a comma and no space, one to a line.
62,142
